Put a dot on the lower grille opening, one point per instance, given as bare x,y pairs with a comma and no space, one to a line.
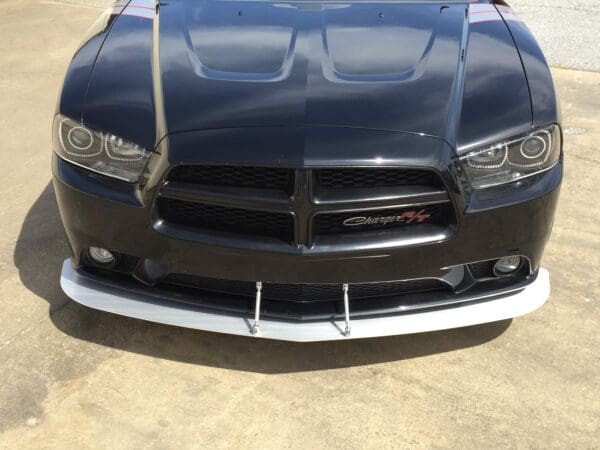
301,301
302,292
223,218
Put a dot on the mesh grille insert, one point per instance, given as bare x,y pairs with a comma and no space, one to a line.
374,177
252,177
221,218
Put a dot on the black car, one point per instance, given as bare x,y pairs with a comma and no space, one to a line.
308,170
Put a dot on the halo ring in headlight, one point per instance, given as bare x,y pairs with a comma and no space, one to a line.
134,152
489,158
90,149
86,135
524,156
527,154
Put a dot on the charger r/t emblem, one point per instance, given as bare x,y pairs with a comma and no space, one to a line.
406,217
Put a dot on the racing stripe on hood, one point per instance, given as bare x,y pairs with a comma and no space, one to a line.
508,14
136,8
481,12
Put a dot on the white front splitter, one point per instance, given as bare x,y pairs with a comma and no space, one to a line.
480,309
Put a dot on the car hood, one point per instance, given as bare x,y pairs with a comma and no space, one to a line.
391,66
448,70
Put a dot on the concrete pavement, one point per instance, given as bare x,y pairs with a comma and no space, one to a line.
73,377
567,30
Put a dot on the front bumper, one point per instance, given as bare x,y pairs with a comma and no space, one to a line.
97,212
100,212
473,309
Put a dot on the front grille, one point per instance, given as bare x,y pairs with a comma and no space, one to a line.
298,205
249,177
375,177
222,218
361,221
305,292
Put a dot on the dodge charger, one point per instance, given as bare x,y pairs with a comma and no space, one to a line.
308,170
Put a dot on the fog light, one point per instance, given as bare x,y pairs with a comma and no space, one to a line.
101,255
507,265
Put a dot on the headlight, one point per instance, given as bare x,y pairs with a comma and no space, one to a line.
511,160
98,151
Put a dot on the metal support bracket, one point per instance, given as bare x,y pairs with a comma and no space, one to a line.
256,326
346,310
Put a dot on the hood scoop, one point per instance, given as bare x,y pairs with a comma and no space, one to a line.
240,42
356,43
